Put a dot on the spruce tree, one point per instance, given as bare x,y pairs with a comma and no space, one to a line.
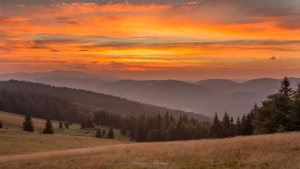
28,124
66,125
111,133
158,121
166,121
216,127
49,128
285,87
60,125
1,127
98,133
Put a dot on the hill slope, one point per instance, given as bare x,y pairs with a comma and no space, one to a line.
98,100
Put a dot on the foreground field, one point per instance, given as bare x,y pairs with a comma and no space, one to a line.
15,141
266,151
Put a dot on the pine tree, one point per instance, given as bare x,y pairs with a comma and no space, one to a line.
98,133
216,127
28,124
111,133
60,125
285,87
166,121
66,125
158,121
238,127
1,127
49,128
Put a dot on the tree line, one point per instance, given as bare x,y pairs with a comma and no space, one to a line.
43,106
279,113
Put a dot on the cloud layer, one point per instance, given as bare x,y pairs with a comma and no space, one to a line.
208,35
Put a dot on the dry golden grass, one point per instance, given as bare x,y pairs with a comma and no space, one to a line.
265,151
15,141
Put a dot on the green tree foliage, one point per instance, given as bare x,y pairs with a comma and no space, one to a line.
172,133
285,87
123,132
104,132
60,125
42,105
66,125
152,135
216,127
111,133
98,133
166,121
279,112
48,127
28,124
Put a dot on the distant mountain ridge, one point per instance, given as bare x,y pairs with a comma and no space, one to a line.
204,97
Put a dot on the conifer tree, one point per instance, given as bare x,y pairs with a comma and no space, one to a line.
60,125
1,124
285,87
216,127
158,121
111,133
28,124
98,133
49,128
166,121
152,135
237,129
66,125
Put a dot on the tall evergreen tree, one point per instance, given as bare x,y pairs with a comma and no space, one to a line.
166,121
111,133
66,125
98,133
28,124
60,125
49,128
285,87
216,127
158,121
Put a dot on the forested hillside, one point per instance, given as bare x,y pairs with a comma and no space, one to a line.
43,106
97,100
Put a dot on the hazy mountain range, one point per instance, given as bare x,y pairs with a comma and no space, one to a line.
205,97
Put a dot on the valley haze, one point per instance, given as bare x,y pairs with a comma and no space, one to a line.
204,96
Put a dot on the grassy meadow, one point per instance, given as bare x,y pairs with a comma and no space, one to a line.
23,150
265,151
15,141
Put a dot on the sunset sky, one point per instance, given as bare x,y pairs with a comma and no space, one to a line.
157,39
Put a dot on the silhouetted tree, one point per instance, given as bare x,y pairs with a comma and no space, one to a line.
49,128
152,135
1,124
216,127
285,87
60,125
111,133
98,133
66,125
28,124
